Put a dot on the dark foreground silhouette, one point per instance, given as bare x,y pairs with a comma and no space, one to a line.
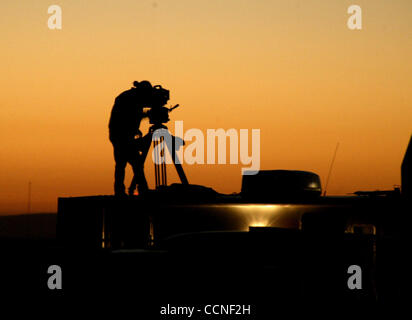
188,245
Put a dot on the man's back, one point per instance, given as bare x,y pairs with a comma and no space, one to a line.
126,115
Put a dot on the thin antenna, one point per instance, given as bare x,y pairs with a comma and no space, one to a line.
29,199
330,168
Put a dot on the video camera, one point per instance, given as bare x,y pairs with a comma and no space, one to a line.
158,113
157,98
160,96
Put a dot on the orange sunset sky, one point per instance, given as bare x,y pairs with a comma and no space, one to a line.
291,68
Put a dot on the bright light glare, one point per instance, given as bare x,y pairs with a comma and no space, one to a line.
258,215
258,224
263,207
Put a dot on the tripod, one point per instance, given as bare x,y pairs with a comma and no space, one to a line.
159,146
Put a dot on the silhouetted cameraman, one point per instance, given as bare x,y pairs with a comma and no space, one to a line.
124,124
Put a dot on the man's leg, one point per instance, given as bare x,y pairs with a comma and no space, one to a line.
119,171
139,177
136,160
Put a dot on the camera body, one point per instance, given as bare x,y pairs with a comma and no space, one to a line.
158,113
159,97
156,98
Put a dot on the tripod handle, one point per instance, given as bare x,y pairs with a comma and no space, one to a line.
174,107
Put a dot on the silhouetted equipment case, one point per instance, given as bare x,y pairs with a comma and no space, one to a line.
280,185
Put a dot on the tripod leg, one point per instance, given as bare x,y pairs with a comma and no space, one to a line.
147,142
156,163
178,165
181,172
163,165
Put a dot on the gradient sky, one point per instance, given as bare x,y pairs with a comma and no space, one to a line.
289,68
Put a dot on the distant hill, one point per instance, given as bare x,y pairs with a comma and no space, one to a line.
28,226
